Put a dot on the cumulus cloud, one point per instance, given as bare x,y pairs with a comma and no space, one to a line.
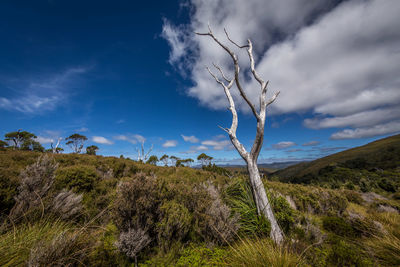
101,140
218,144
283,145
190,139
339,61
170,143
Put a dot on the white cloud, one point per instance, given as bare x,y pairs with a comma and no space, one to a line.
361,119
283,145
131,138
42,93
342,65
44,140
170,143
101,140
190,139
218,144
201,148
381,129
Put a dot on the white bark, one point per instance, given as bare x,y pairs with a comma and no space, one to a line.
259,193
54,148
141,155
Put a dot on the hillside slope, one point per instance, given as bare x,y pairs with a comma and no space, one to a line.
380,158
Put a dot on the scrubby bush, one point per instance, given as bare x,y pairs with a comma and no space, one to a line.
65,249
284,214
175,222
79,178
133,241
67,204
221,226
36,181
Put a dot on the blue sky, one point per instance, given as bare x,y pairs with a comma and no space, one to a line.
120,72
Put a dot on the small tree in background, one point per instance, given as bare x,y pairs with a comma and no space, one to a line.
91,150
204,159
3,144
76,141
188,162
173,160
32,145
19,137
152,160
165,159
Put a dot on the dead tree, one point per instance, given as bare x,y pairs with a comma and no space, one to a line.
259,194
142,157
55,148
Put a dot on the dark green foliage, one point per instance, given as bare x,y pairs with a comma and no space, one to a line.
240,198
75,141
91,150
202,256
338,226
216,169
8,190
284,214
152,160
19,137
343,253
32,145
175,222
3,144
80,178
204,159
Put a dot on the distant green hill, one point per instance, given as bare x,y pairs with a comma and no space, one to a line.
374,163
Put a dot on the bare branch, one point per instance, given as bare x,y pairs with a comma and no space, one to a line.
239,46
237,69
273,98
252,65
222,73
225,129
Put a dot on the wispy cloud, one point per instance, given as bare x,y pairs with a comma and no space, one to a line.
311,143
102,140
42,93
170,143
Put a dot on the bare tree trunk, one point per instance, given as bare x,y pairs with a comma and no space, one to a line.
262,202
258,190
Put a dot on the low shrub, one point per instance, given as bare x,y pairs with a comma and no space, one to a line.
79,178
338,226
202,256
